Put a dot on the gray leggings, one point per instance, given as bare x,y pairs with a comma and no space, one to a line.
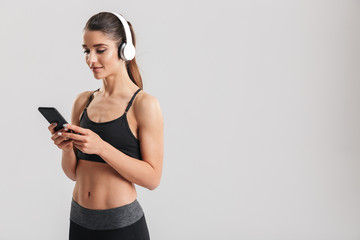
106,219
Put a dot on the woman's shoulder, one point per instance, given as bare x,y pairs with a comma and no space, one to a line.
146,106
79,104
82,97
145,100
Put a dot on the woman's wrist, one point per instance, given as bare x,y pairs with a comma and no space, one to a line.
68,151
102,148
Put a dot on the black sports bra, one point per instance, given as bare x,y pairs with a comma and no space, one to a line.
116,132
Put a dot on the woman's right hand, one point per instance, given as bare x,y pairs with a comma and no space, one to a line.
61,142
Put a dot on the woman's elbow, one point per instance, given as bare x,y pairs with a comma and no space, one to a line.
71,176
155,183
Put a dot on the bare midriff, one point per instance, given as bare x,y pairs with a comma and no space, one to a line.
99,186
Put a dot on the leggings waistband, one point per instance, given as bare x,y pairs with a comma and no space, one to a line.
105,219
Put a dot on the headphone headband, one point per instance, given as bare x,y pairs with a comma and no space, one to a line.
127,50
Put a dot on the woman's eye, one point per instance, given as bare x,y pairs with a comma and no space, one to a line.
99,51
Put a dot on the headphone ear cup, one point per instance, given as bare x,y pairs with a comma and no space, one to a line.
129,52
121,51
126,52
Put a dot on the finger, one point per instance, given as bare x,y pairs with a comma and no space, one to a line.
72,136
51,127
59,140
64,143
78,145
77,142
56,135
75,128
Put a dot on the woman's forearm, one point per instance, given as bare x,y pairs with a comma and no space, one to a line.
138,172
69,163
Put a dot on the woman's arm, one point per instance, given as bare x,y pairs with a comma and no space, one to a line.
146,173
68,164
69,161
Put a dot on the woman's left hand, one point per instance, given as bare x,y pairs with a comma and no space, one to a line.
85,139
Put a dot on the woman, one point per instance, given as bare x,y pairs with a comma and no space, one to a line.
115,138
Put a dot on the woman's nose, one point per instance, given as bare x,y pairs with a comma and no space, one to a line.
92,58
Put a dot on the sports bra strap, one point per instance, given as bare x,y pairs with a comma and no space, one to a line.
132,99
128,106
91,97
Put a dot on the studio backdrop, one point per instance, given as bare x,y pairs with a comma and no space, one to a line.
261,107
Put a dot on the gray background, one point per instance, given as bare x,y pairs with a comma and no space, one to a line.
261,106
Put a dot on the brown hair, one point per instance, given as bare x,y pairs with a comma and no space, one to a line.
110,25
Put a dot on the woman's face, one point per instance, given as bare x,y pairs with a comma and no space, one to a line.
100,54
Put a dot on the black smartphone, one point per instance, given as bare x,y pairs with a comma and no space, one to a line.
52,115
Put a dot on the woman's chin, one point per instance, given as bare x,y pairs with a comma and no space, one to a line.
96,76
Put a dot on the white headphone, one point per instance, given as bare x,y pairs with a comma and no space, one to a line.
126,49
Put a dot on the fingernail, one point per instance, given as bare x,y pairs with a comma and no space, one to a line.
64,125
54,123
65,129
60,133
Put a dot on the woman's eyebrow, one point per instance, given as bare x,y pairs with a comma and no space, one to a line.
96,45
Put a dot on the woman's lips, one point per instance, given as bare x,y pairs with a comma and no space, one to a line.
96,69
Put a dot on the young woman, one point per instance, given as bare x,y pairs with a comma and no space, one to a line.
116,139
